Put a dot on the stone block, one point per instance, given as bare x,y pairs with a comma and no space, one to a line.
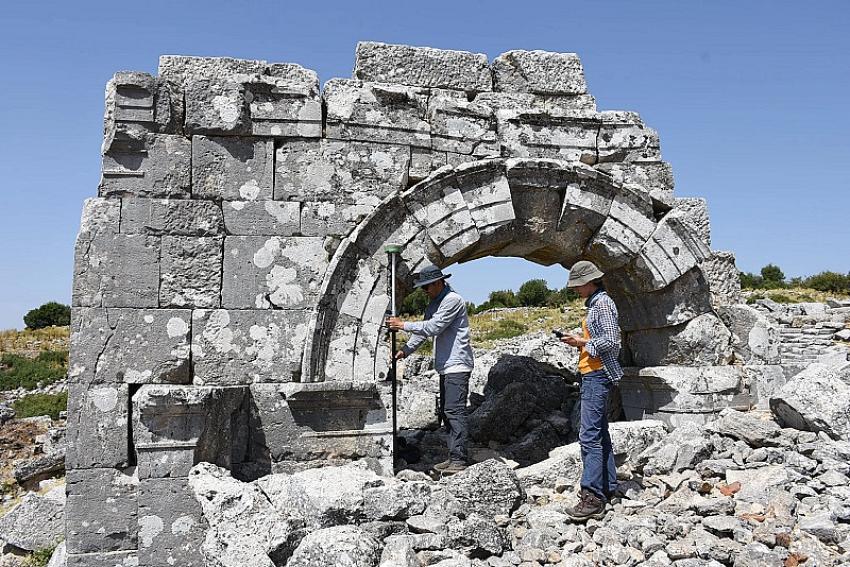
98,426
626,229
217,106
282,272
101,511
623,137
176,427
325,218
755,338
116,271
422,66
245,346
722,276
171,524
693,212
183,68
112,559
99,217
262,218
652,176
539,72
190,271
159,165
460,126
702,341
137,103
376,112
35,522
182,217
538,134
286,104
129,346
232,168
424,161
344,172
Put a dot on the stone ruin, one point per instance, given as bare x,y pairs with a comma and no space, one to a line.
230,277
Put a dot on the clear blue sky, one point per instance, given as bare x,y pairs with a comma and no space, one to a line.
751,100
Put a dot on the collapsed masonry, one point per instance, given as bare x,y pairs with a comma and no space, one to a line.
230,278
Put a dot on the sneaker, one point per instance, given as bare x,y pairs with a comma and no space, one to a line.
589,506
453,468
444,465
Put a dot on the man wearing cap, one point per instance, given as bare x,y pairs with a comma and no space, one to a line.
445,319
599,347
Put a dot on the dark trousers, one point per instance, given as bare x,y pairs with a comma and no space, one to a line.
454,388
599,474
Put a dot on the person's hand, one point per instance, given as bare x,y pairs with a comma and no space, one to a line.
399,355
574,340
395,324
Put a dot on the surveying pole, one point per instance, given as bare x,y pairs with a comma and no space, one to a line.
393,251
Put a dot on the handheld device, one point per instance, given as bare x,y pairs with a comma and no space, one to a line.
558,333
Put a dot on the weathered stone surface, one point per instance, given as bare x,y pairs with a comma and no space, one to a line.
654,176
568,135
98,426
475,535
116,271
232,168
262,218
36,522
171,525
135,346
101,510
626,229
539,72
59,558
52,463
722,275
137,103
686,446
245,346
680,302
326,218
422,66
702,341
99,217
181,68
755,339
287,103
753,431
339,545
110,559
816,399
158,166
333,170
272,272
171,216
191,271
460,126
694,213
489,488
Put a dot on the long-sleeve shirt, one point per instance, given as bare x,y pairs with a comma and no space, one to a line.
445,319
604,328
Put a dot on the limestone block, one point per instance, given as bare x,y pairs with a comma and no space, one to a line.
101,510
816,399
283,272
99,217
190,271
422,66
680,394
487,194
183,68
232,168
332,170
286,104
755,338
538,134
653,175
325,218
626,229
133,346
176,427
156,166
36,522
171,524
217,106
425,161
262,218
116,271
245,346
540,72
376,112
111,559
768,379
137,103
171,216
624,137
702,341
98,426
460,126
693,212
722,275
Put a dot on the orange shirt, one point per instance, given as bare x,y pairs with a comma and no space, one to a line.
587,363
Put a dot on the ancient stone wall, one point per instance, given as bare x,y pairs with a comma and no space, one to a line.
230,277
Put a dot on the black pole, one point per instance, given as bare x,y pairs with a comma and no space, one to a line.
392,252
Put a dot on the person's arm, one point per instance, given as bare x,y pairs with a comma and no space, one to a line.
412,344
450,308
609,340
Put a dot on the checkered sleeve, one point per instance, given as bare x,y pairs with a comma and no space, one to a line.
604,317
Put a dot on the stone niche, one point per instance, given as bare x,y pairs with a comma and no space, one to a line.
230,279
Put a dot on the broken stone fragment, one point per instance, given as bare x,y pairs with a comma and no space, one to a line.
36,522
816,400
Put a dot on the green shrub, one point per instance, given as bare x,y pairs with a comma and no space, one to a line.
34,405
829,281
415,303
505,329
533,293
23,372
39,558
49,314
782,298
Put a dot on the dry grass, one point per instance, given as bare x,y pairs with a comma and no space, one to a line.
793,295
31,342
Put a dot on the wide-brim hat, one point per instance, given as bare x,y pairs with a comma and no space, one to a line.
583,272
429,274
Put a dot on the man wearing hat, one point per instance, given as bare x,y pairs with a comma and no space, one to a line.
599,347
445,319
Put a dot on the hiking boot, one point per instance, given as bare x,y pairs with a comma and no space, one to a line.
454,467
444,465
589,506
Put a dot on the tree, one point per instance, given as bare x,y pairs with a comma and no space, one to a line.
415,303
829,281
560,297
502,298
533,293
750,280
51,313
772,276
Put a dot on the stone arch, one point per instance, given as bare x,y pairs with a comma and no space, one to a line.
547,211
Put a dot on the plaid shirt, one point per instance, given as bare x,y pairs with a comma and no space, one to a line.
604,329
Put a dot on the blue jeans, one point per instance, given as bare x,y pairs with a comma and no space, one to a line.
600,473
454,389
